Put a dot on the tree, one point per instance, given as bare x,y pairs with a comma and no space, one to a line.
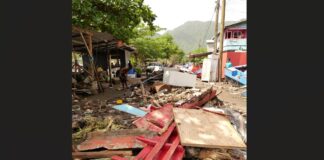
161,47
197,51
118,17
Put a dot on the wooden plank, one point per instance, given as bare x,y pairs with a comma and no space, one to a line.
199,128
100,154
161,143
144,152
172,149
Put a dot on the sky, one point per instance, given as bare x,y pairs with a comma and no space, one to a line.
173,13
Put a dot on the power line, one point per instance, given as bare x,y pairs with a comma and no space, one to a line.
208,26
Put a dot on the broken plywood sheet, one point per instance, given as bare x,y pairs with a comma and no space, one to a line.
198,128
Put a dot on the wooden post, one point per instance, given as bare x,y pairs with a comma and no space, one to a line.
216,25
143,92
110,69
92,66
221,35
89,49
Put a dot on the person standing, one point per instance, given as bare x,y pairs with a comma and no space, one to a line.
228,63
123,77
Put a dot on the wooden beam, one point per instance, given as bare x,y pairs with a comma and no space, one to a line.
100,154
78,42
161,143
221,35
77,29
90,44
97,43
77,35
110,67
171,150
216,26
85,43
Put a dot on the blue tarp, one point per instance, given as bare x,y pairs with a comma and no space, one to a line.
130,109
131,71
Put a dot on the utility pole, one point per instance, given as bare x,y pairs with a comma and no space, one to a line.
216,26
221,35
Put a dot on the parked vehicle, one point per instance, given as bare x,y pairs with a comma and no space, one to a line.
154,67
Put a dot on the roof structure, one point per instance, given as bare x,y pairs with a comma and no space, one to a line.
235,24
231,25
100,40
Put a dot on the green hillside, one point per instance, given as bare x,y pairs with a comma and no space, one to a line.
194,33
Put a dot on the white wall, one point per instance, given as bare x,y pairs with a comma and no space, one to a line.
211,45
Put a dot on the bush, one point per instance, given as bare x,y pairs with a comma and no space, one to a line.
138,70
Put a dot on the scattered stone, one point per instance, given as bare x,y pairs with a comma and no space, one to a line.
112,111
88,111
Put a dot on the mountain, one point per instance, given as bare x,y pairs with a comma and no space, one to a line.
193,34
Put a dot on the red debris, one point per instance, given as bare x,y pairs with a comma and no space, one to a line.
143,123
124,140
155,120
118,158
206,98
156,149
166,147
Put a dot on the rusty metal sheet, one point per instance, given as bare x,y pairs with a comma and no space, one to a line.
121,139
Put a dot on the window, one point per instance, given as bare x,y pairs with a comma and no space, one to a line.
228,34
237,34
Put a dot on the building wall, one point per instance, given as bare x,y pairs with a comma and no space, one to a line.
210,47
237,59
234,44
101,60
231,44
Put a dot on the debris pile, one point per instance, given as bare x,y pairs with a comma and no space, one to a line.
159,121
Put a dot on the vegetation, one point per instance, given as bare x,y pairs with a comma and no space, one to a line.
130,21
197,51
193,34
150,46
118,17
